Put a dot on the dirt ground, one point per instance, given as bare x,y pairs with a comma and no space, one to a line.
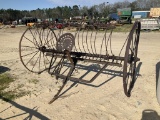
104,99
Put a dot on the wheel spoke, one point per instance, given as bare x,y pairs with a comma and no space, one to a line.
40,61
32,58
29,47
35,63
30,40
47,58
29,53
34,38
49,41
44,61
47,37
39,34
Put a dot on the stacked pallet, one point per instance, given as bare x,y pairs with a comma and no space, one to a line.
150,24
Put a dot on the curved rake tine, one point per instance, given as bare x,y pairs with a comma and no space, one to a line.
106,43
95,42
87,42
91,42
111,43
83,43
102,44
79,44
77,33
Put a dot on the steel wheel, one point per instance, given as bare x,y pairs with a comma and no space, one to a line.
129,68
32,48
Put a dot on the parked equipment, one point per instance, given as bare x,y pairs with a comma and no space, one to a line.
125,15
29,21
63,52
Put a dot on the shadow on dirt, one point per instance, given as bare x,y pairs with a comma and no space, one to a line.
150,114
32,112
3,69
95,68
106,71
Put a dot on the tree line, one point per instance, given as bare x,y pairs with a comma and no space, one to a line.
65,12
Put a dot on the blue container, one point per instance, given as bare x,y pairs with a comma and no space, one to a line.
144,14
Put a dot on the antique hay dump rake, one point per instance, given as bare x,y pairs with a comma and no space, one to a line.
61,52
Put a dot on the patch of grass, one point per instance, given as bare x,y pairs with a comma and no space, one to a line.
35,81
123,28
11,95
5,80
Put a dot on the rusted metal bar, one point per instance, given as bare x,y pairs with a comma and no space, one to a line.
80,54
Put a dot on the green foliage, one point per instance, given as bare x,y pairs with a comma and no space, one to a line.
65,12
11,95
5,80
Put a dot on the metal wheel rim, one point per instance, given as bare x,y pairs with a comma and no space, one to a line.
21,48
128,86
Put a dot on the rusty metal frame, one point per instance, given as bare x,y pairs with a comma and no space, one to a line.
62,50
